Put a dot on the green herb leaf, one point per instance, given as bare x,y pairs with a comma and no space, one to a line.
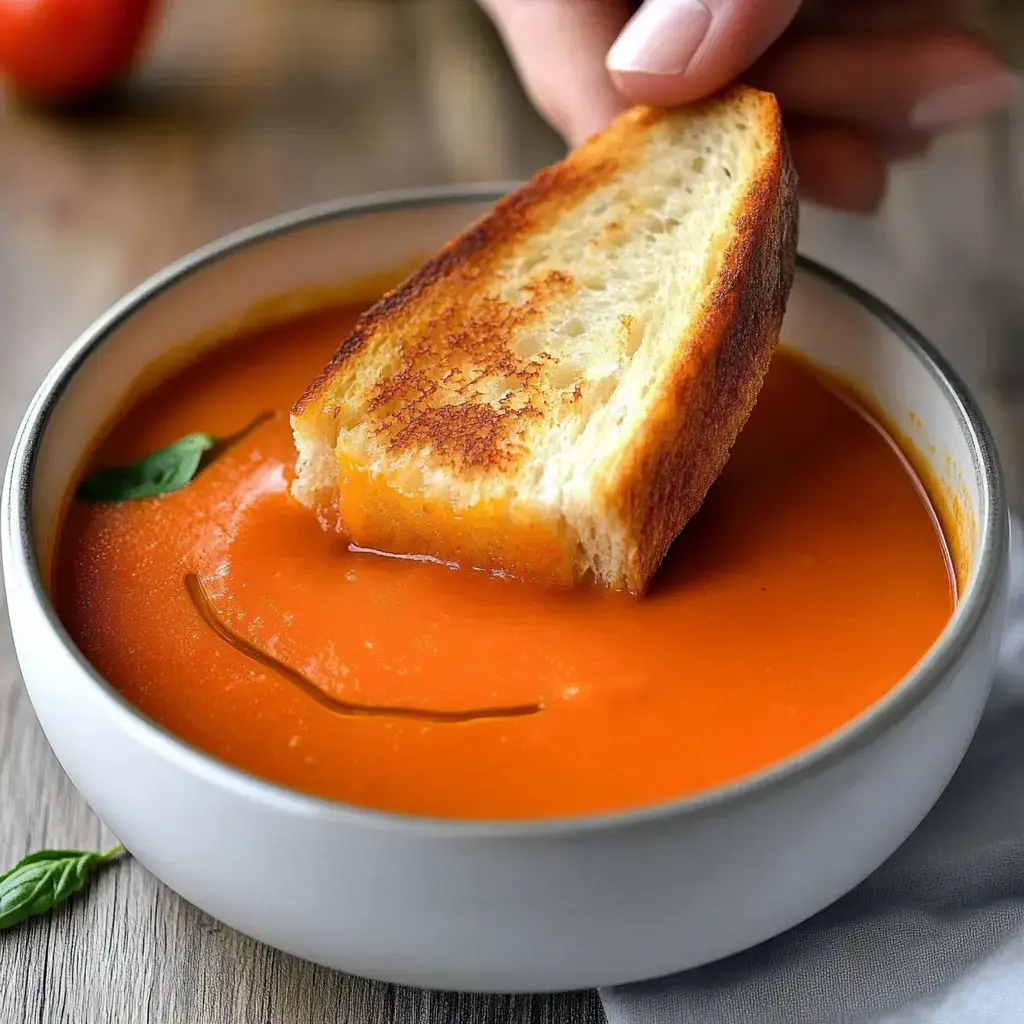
42,880
159,473
164,471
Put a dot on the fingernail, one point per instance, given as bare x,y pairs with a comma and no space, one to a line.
965,101
662,38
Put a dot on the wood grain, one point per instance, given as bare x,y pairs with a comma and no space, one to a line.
244,109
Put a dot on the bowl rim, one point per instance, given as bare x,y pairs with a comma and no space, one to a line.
856,734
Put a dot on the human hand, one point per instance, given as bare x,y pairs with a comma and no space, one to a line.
862,83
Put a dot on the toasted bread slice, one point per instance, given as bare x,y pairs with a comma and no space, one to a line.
552,395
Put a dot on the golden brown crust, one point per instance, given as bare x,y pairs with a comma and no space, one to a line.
444,392
707,400
455,350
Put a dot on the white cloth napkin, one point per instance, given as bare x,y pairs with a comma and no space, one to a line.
935,936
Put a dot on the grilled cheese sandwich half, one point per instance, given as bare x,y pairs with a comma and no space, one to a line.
553,393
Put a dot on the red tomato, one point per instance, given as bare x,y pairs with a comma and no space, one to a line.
67,49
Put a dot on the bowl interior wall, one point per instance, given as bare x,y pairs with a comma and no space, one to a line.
325,255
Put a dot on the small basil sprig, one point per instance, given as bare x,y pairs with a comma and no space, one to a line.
159,473
164,471
41,881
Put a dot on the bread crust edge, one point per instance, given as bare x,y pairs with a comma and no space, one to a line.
707,397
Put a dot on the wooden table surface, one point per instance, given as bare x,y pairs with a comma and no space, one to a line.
244,109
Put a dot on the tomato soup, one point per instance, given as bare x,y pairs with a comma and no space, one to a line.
812,580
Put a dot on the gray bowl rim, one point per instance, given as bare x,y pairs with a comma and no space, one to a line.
856,734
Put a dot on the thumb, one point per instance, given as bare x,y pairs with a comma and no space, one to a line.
675,51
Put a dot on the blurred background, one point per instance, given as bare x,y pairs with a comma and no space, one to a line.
241,109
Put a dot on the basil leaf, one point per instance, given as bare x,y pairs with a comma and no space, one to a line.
42,880
159,473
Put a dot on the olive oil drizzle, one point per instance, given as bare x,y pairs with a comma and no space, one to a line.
224,443
203,605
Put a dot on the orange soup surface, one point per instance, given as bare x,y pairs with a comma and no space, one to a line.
814,578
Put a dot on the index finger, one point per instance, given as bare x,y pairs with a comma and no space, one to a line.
558,48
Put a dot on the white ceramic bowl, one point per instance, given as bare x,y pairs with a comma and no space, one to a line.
496,906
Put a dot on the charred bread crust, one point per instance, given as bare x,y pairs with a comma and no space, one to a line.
707,400
438,291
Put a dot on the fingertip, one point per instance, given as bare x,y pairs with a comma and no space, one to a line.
657,90
673,52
